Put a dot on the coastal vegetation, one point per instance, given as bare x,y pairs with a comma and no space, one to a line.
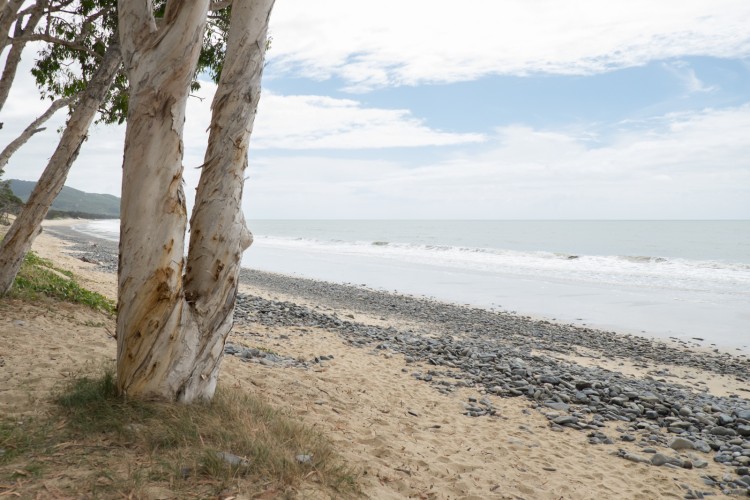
39,278
9,202
130,448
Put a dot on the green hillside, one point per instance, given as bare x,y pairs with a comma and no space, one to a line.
74,202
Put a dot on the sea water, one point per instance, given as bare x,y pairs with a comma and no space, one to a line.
684,279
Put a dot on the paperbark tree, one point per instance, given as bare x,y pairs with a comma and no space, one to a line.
27,225
76,68
79,40
171,328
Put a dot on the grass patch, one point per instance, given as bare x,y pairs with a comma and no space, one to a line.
235,444
39,277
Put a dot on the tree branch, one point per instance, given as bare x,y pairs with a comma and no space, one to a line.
16,50
8,14
33,128
44,4
136,25
44,37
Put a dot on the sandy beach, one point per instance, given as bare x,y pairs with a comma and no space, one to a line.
431,400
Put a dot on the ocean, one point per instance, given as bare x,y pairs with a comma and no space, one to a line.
683,279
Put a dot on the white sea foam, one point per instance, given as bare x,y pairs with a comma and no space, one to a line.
109,229
684,278
650,271
655,272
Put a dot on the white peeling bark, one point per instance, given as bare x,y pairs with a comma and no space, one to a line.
218,234
33,128
27,225
171,334
8,12
157,338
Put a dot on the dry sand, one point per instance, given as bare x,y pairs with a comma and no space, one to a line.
406,439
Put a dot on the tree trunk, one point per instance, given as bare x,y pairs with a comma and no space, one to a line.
156,338
27,225
32,129
8,11
218,234
14,55
170,338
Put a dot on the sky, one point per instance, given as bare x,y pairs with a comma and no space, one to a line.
521,109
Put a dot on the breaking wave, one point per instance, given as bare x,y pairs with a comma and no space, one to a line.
635,270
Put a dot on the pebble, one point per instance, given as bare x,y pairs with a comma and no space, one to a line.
564,420
680,443
232,459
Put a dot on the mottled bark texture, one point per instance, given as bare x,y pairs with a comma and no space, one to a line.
171,328
27,225
8,14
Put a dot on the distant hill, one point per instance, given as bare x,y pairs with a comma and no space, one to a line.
73,202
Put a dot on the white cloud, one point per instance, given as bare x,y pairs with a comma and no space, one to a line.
391,42
693,165
687,76
320,122
315,122
687,165
283,122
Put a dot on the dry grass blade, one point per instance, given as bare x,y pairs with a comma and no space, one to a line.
235,444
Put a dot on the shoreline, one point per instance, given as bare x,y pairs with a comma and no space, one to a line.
623,393
698,318
336,294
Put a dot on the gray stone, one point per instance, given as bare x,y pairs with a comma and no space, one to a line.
699,464
724,419
565,419
635,458
557,406
232,459
680,443
659,460
580,397
685,411
650,398
652,415
304,459
549,379
743,430
722,458
703,446
722,431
